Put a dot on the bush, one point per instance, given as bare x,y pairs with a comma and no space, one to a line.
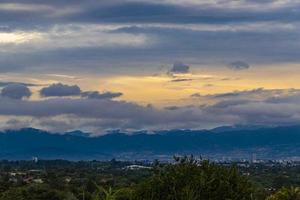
33,192
291,193
189,179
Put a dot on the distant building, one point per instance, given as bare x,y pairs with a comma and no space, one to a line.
136,167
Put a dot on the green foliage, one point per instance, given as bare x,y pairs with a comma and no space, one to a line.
13,194
34,192
103,194
125,194
186,179
189,179
70,196
291,193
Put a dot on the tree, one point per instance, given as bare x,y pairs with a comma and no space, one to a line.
13,194
290,193
103,194
189,179
33,192
70,196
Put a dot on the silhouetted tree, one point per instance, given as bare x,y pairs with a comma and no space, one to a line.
189,179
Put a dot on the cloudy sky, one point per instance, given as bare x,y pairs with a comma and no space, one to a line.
148,64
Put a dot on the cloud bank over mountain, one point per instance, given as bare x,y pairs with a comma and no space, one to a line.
98,112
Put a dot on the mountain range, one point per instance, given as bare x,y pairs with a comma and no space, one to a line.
233,142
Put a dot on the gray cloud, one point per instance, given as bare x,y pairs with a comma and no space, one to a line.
198,32
181,80
16,91
260,112
208,85
239,65
102,114
172,108
3,84
196,95
245,93
15,124
261,32
257,94
104,95
59,90
153,11
179,67
251,107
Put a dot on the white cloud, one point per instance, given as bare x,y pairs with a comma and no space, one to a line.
46,10
25,7
19,37
70,36
89,36
106,35
232,4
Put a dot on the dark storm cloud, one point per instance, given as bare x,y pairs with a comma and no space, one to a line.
16,91
59,90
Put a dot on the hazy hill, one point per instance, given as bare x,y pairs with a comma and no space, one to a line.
279,142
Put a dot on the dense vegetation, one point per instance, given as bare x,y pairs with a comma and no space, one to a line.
185,179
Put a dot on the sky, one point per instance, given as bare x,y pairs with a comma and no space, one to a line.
131,65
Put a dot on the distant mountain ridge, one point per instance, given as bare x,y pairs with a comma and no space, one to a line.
266,143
